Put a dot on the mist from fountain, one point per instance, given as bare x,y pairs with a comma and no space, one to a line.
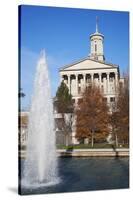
40,166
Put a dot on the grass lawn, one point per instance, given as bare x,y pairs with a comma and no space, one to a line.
88,146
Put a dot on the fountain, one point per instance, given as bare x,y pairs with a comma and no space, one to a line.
40,166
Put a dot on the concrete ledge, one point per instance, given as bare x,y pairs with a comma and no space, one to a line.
93,152
124,152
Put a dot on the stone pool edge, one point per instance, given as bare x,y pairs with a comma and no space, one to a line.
124,152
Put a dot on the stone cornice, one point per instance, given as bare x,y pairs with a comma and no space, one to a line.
87,58
83,69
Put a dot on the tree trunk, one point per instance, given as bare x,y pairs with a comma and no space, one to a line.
66,140
92,139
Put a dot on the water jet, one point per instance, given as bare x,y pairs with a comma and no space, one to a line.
40,166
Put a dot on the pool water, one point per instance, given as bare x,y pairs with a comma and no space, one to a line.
86,174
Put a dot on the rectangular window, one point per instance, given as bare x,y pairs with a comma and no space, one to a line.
112,99
79,90
111,79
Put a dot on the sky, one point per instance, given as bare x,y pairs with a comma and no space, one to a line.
64,34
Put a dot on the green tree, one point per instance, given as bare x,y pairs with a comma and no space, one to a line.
63,99
92,116
64,105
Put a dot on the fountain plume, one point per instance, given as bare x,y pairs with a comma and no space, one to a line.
40,165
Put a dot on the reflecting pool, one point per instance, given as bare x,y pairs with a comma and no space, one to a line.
87,174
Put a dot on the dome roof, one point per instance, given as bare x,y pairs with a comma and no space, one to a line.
97,34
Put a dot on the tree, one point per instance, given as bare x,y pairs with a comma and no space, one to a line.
120,115
114,125
64,106
92,116
21,94
63,99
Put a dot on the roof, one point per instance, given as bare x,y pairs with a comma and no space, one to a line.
87,59
97,34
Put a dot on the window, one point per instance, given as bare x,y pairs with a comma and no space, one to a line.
95,48
112,99
79,90
111,79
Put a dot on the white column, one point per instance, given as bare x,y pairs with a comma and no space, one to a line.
108,86
76,75
92,78
116,81
76,102
69,87
84,80
100,80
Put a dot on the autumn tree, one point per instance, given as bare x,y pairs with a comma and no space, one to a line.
64,105
92,116
120,114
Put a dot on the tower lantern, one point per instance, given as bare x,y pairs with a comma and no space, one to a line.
96,44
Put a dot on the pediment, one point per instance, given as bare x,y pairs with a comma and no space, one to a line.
87,64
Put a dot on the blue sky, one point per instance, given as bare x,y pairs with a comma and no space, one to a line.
64,34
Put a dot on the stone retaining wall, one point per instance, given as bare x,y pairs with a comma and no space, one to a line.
88,153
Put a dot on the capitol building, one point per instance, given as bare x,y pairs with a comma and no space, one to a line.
93,69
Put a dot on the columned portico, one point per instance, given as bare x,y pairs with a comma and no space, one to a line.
77,82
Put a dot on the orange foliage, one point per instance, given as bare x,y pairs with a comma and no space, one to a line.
92,115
